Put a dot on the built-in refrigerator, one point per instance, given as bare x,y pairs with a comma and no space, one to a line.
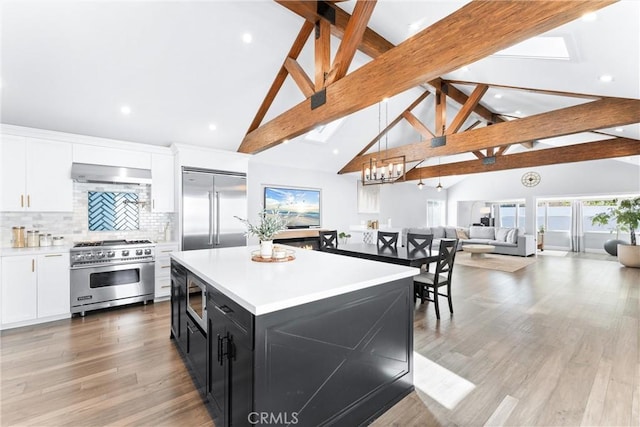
211,201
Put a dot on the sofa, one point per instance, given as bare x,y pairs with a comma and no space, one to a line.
507,241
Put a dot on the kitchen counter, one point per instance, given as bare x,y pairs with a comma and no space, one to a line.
38,250
265,287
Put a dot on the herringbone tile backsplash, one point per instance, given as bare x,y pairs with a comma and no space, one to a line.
74,226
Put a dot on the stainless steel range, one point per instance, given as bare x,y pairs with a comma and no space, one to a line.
110,273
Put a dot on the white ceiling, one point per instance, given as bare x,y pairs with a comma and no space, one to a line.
181,66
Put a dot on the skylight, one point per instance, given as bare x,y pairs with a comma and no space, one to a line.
543,47
322,133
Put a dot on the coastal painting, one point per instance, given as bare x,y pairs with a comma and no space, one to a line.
300,206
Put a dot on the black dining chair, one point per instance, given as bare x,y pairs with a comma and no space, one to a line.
328,239
420,242
425,282
388,238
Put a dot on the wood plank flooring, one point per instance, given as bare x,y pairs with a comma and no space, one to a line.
555,343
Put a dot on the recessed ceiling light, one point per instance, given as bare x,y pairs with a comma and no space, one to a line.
497,95
213,127
619,130
335,151
463,69
247,38
286,141
126,110
518,112
385,99
589,17
606,78
414,26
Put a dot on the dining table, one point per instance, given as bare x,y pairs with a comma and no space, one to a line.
393,255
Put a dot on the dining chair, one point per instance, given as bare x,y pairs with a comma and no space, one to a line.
419,242
425,282
388,238
328,239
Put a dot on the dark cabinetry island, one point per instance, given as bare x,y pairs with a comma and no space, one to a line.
322,340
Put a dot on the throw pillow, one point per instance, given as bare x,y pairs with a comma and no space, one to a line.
512,236
501,234
462,234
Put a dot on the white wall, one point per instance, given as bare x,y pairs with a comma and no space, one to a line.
405,204
338,202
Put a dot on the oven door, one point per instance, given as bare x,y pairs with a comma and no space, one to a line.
197,301
97,284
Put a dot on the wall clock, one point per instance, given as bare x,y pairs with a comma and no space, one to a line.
530,179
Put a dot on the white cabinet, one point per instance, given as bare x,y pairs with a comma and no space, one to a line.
35,287
163,268
36,175
53,285
162,186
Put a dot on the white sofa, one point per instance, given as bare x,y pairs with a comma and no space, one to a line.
507,241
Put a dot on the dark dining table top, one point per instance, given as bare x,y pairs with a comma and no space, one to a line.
401,255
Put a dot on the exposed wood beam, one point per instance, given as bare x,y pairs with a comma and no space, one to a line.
351,39
467,108
532,90
461,98
608,149
490,152
474,125
600,114
300,77
372,43
448,44
528,144
418,125
395,121
322,52
294,52
479,154
502,150
441,112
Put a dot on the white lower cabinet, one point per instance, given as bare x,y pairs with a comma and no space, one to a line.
35,287
163,268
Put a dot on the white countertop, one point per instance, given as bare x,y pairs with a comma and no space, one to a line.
37,250
265,287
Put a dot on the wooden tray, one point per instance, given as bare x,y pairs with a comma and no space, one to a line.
255,256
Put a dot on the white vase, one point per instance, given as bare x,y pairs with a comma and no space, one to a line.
266,248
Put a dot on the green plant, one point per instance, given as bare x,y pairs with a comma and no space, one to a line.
344,235
541,229
271,223
626,213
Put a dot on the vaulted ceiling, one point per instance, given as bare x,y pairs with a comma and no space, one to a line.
182,66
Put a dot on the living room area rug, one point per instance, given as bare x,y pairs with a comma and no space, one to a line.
506,263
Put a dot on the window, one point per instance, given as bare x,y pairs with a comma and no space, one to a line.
558,216
435,213
593,207
508,215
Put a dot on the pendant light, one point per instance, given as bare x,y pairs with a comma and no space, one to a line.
439,186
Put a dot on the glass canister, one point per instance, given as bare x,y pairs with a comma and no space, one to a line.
58,241
17,237
46,240
32,238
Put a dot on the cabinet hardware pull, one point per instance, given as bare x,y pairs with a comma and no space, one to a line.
22,200
224,309
33,265
165,266
28,201
219,358
167,286
168,250
54,255
154,203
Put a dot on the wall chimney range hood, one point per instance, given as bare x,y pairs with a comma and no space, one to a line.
85,172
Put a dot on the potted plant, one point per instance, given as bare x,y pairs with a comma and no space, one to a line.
626,213
271,222
344,237
541,238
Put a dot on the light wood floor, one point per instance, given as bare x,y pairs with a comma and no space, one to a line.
555,343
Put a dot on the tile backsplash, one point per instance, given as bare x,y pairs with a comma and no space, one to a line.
74,226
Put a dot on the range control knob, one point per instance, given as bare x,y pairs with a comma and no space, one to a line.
100,255
147,251
138,251
78,257
88,256
111,254
125,253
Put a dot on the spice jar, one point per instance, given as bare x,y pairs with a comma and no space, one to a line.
45,240
58,241
17,237
32,238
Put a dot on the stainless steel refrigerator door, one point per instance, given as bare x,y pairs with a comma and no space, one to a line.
229,201
197,212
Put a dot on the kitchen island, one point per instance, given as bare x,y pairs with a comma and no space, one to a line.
323,339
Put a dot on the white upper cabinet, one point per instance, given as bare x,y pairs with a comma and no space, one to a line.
36,175
162,187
